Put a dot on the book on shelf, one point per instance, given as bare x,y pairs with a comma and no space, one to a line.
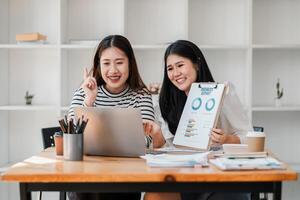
30,37
200,115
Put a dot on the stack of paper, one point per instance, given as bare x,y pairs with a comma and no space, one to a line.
173,160
246,155
176,150
225,163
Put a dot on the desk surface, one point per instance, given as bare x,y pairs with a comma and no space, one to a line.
46,167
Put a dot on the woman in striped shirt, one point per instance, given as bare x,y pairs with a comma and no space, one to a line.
115,82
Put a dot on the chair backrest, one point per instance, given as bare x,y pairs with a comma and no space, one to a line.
258,128
47,135
48,141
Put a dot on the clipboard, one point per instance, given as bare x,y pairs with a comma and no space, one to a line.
200,115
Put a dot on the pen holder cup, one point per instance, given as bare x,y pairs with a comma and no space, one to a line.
73,147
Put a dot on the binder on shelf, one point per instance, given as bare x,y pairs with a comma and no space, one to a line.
30,37
200,115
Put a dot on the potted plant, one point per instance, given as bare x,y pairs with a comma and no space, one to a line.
279,93
28,98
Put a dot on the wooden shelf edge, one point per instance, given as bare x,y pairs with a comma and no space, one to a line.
157,47
28,107
29,46
274,108
276,46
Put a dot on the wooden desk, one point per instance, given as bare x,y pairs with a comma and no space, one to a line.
47,172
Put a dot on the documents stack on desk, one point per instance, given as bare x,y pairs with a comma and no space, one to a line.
176,150
176,160
249,161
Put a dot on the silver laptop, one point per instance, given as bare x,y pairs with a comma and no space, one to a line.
113,131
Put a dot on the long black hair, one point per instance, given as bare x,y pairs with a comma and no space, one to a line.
134,80
171,99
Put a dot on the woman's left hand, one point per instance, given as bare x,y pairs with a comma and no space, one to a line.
217,136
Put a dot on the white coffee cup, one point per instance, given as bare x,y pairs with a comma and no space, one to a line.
256,141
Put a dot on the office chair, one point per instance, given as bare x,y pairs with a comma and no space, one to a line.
48,136
48,141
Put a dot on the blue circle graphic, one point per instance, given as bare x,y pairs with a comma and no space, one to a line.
210,104
196,104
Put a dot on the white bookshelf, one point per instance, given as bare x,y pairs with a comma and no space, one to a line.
268,66
249,42
172,16
213,22
276,22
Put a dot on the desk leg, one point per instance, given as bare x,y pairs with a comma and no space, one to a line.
62,195
24,194
277,190
255,196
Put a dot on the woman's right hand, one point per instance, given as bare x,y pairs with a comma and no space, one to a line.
89,87
153,129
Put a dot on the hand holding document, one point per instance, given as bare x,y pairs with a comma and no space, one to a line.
217,136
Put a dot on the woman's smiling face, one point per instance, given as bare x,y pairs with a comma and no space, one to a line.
181,72
114,69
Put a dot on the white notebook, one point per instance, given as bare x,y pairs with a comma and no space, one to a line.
200,115
247,163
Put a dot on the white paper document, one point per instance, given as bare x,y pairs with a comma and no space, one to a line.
175,150
247,163
172,160
199,115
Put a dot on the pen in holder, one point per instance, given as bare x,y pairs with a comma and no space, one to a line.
73,138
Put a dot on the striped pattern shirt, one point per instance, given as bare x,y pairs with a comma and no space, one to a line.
128,98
